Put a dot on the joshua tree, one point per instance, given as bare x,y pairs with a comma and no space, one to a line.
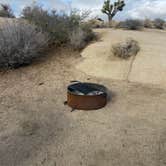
6,11
112,9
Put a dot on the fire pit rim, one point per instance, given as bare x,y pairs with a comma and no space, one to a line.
103,89
84,101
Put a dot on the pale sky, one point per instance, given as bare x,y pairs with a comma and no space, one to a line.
134,8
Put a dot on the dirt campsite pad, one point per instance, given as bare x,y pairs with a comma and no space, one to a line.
149,66
37,129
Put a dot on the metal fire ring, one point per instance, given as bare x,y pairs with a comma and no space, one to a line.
86,96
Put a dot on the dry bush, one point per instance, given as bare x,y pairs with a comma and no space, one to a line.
80,37
20,43
148,23
77,39
51,23
96,23
159,23
126,49
60,27
89,34
131,24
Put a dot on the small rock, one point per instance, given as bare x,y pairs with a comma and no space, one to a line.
42,83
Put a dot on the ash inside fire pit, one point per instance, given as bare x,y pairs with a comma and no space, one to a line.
86,89
87,96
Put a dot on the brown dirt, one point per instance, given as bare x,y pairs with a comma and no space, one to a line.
148,67
37,129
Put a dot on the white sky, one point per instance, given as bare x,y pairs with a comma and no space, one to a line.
133,9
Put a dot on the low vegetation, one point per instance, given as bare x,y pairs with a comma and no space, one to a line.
159,23
126,49
61,28
80,37
135,24
23,41
131,24
148,23
20,43
77,39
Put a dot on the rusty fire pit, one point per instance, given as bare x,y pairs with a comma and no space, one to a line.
86,96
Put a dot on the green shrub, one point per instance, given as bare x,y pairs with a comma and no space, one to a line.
131,24
20,43
127,49
6,11
159,23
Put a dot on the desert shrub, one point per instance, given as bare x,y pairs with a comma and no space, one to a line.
159,23
126,49
20,43
81,36
89,34
96,23
62,28
77,39
51,23
6,11
148,23
131,24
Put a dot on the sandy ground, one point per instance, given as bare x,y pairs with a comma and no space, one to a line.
37,129
148,67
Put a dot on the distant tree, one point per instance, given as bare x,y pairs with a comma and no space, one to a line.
111,9
6,11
